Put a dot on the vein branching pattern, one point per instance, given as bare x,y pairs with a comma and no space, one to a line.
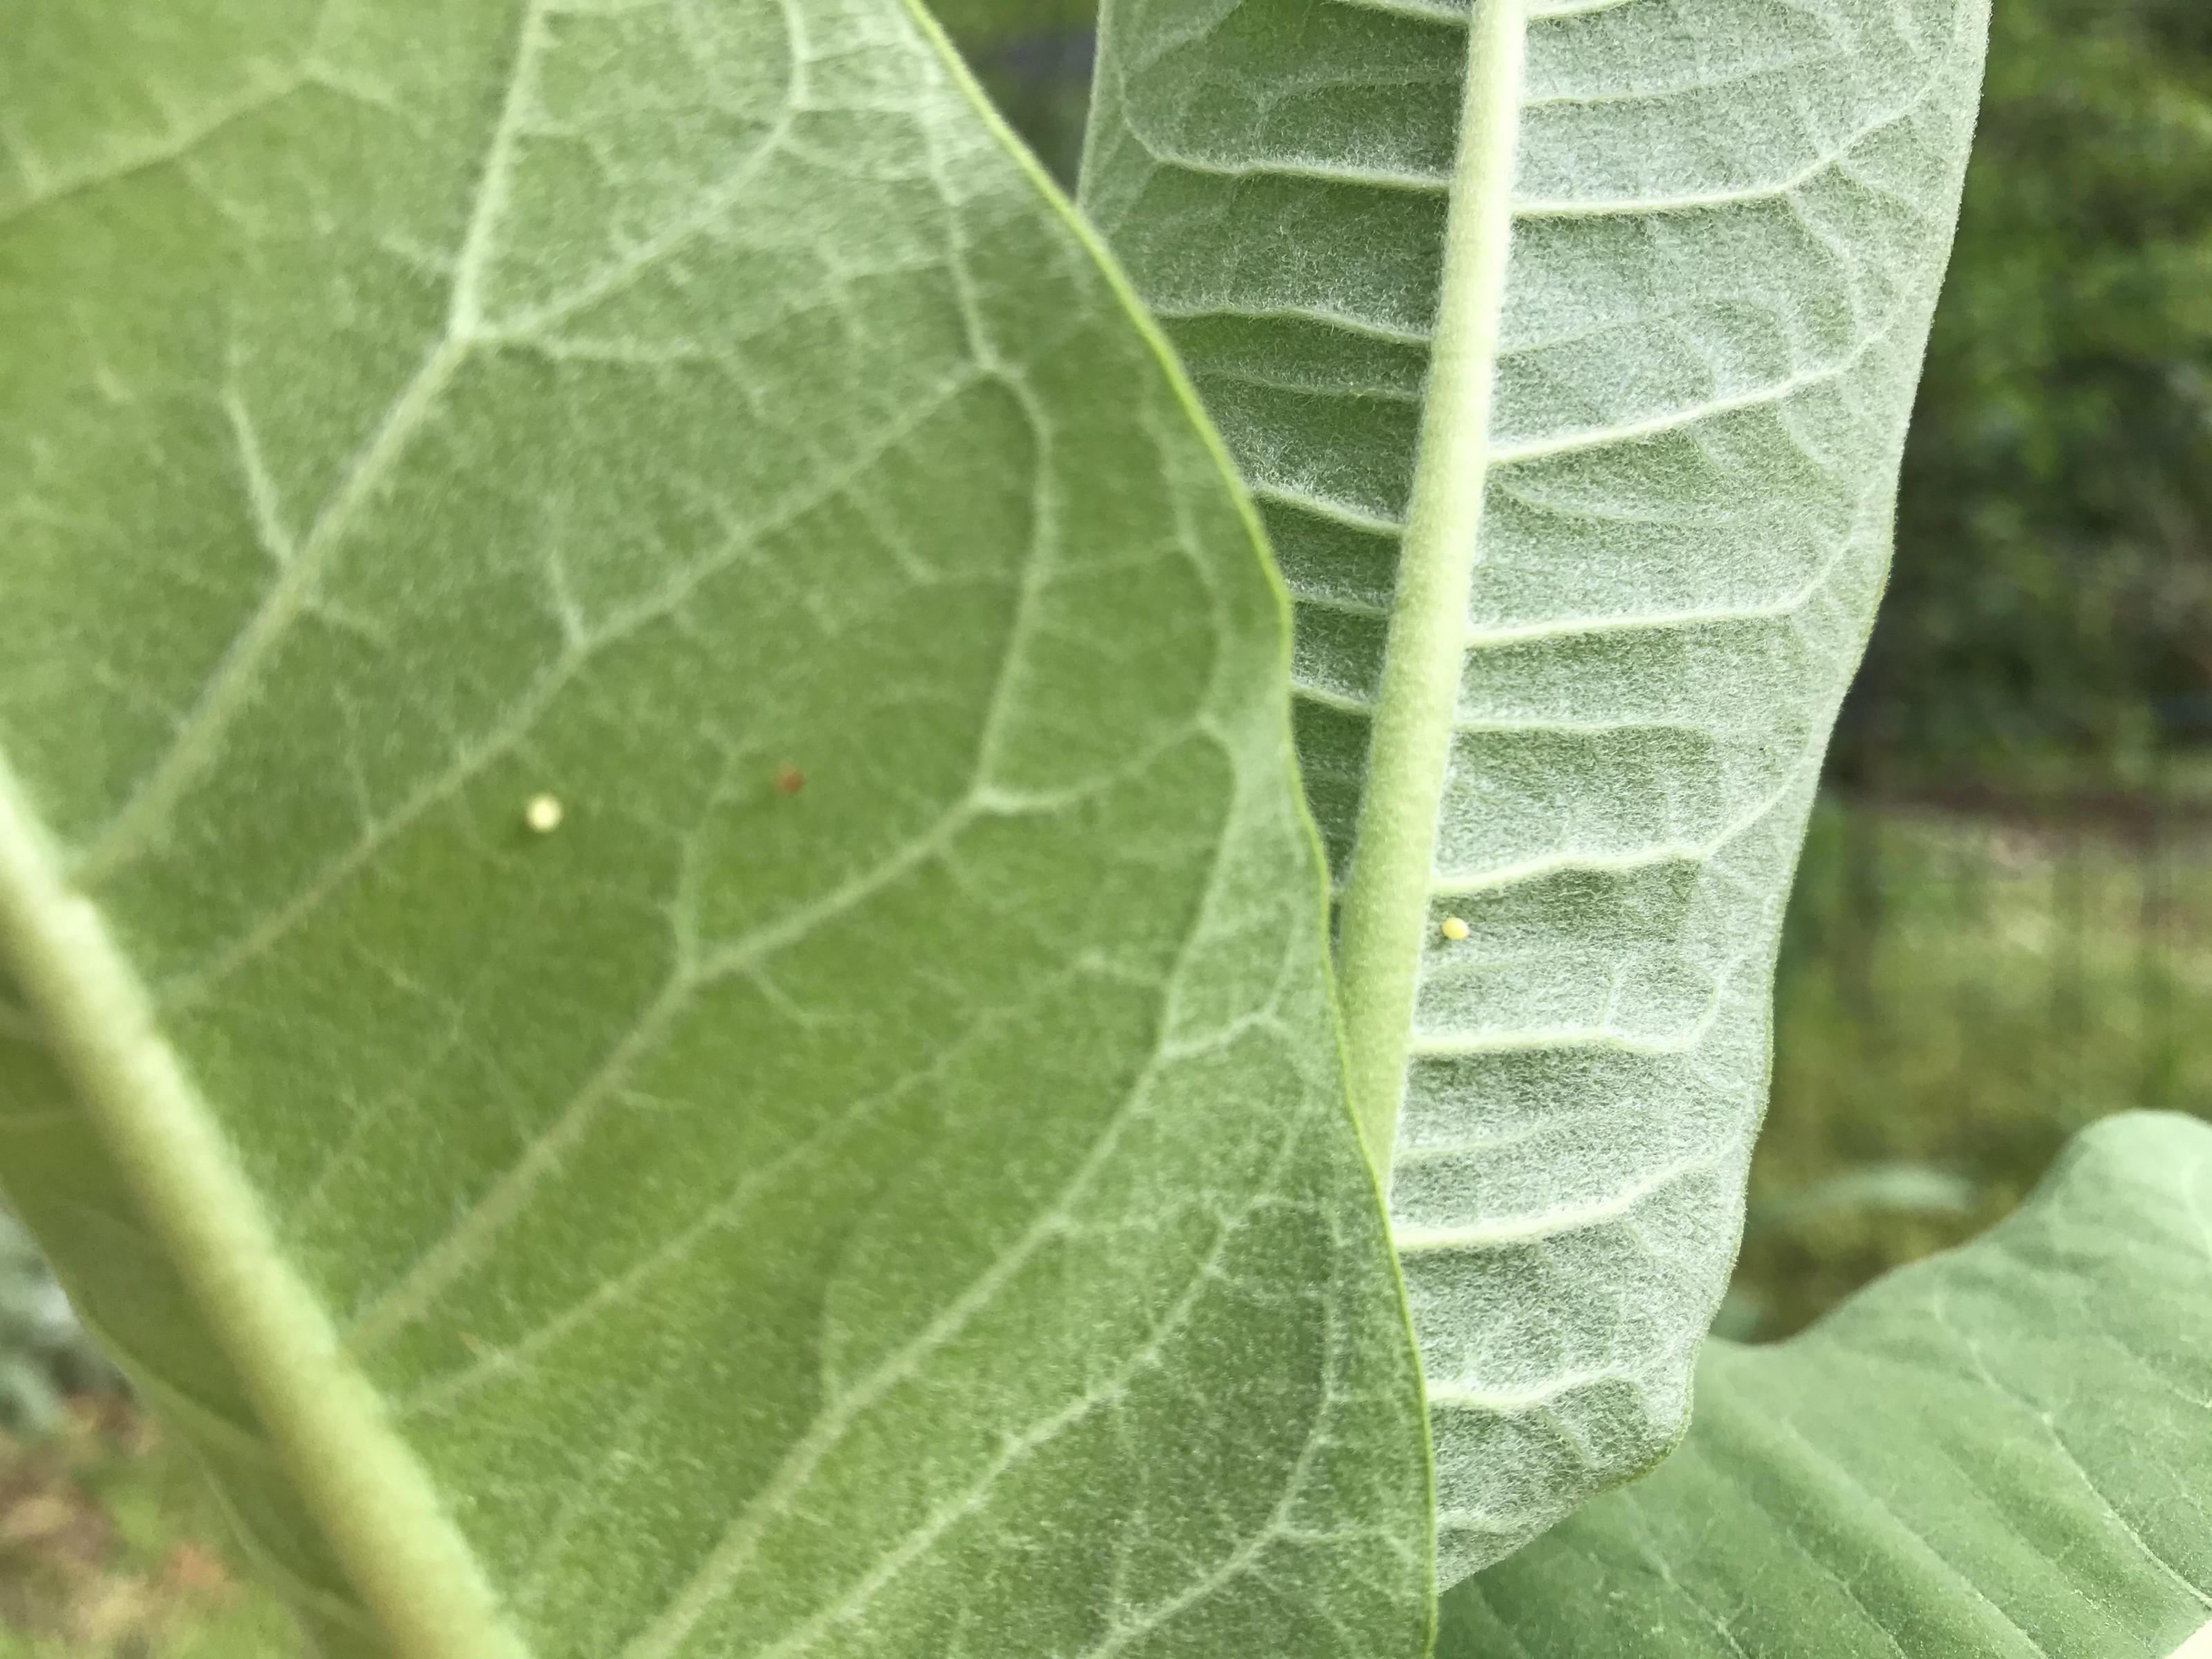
1720,238
636,676
2006,1451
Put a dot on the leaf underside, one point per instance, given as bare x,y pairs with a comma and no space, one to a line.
2004,1453
1728,221
875,1179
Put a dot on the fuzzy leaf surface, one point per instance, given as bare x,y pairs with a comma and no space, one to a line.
861,1168
1568,346
2002,1453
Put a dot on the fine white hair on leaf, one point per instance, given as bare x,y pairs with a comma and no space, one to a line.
1568,357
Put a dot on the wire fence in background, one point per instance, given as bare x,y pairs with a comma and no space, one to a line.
1970,973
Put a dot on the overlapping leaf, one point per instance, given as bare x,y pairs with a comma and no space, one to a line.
2004,1452
874,1179
1568,345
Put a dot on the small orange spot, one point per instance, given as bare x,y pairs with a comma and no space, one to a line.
789,779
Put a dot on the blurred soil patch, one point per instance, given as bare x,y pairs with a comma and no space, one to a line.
110,1545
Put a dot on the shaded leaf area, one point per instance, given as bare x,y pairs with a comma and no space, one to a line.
869,1173
2005,1450
1728,222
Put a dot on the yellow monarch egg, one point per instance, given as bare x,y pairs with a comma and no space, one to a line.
543,814
1453,929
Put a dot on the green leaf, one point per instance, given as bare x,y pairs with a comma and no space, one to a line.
1568,348
874,1179
2005,1450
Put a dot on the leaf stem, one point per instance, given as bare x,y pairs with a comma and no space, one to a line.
387,1524
1387,900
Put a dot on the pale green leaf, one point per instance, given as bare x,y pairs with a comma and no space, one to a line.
1568,348
2003,1453
874,1178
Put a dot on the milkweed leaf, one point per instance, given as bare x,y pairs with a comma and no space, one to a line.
2003,1453
1568,346
674,998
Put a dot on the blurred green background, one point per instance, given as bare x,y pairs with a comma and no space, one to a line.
2003,927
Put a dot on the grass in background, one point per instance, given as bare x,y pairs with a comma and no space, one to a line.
1958,993
112,1545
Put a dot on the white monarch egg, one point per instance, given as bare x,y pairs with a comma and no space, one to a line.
1453,929
543,813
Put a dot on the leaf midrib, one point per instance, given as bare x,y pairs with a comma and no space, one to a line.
1386,901
371,1497
374,1501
